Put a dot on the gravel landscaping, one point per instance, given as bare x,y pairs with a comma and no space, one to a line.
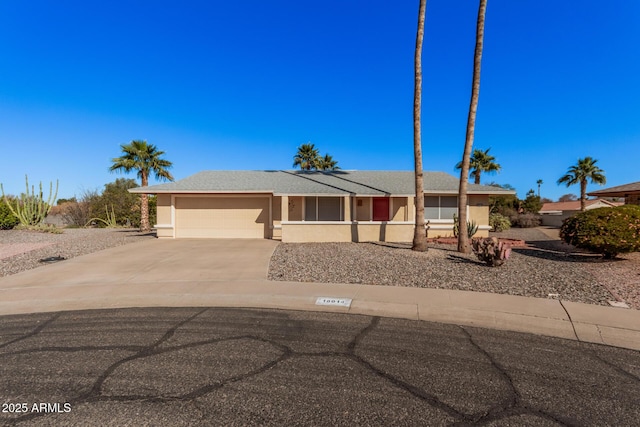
22,250
545,266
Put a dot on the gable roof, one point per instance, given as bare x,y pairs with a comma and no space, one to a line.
619,191
281,182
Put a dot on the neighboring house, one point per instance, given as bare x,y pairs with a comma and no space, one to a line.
630,192
554,213
312,206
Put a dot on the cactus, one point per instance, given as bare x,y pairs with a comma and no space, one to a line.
110,222
472,227
30,209
491,251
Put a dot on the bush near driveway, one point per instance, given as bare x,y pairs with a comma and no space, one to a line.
7,219
607,231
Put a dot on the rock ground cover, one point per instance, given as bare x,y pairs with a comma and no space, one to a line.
545,266
22,250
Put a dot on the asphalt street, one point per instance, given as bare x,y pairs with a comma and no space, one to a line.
216,366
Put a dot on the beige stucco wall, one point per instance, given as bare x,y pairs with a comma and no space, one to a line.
383,232
295,208
164,209
479,209
164,229
316,232
363,212
276,206
399,209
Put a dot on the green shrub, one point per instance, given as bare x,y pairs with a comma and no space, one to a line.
7,219
527,220
607,231
499,222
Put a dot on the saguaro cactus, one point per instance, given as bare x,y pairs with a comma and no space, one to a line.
31,209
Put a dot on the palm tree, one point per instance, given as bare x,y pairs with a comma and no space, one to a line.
327,163
145,159
307,157
539,182
481,162
419,234
580,173
463,239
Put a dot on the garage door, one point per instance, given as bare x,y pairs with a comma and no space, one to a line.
222,217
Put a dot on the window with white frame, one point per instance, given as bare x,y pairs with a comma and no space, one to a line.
322,208
440,207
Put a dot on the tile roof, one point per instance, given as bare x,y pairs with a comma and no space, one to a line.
574,205
281,182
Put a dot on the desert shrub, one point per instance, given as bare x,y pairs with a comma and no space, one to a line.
527,220
607,231
472,227
499,222
7,219
125,205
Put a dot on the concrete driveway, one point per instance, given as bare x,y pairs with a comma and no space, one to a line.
158,261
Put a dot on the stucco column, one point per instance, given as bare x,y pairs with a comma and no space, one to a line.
411,209
284,208
347,208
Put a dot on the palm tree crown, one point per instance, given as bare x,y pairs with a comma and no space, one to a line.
307,157
481,162
145,159
327,163
584,170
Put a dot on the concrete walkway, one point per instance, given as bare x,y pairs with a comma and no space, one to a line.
232,273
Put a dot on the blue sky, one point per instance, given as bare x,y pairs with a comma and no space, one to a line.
240,85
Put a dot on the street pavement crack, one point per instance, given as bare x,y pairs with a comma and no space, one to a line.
570,321
512,405
418,392
35,331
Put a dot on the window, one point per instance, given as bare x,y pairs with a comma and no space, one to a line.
440,207
323,209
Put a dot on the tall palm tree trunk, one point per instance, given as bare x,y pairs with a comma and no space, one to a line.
144,207
419,234
463,239
583,195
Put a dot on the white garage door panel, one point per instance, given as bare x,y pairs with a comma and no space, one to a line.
220,217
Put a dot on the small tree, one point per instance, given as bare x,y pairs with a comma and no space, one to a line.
568,198
532,203
116,197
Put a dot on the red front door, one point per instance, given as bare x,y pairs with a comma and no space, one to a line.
381,209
